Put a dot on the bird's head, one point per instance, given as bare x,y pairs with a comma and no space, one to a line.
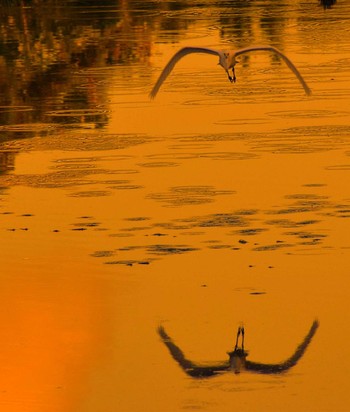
228,61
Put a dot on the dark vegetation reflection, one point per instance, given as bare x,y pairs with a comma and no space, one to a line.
327,4
50,50
237,361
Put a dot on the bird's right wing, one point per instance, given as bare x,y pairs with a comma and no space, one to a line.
289,63
172,62
287,364
196,371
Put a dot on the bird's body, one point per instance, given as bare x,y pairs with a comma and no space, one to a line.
227,59
237,361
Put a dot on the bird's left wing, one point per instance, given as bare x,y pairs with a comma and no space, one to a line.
172,62
196,371
290,362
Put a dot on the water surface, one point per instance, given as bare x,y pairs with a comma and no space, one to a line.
214,205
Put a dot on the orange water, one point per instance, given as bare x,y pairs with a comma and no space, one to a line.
214,205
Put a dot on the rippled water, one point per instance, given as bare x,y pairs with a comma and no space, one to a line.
212,206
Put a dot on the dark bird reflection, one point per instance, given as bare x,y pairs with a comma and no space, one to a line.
237,358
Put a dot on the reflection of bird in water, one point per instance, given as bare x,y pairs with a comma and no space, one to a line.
227,60
237,360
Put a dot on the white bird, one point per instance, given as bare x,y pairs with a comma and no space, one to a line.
227,59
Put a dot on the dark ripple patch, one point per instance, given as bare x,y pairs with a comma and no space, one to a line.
170,226
124,234
91,193
219,247
320,130
77,113
308,238
287,223
341,211
68,176
302,207
217,220
158,164
125,187
135,228
246,212
29,127
308,114
296,144
192,233
189,195
305,196
215,137
115,182
338,167
87,225
67,163
206,221
249,232
213,220
84,141
205,155
81,226
129,248
242,121
169,249
137,219
171,156
75,163
128,262
314,185
272,247
190,145
306,235
102,253
229,156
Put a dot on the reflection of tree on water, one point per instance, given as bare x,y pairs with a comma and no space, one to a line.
327,4
45,51
7,161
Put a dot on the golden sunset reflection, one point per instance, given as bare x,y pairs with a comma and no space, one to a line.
212,207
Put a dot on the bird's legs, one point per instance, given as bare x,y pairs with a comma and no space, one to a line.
233,77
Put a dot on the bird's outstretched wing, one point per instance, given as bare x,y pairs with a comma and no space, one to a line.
287,364
280,54
196,371
172,62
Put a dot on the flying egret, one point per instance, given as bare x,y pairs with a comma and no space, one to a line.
227,59
237,358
